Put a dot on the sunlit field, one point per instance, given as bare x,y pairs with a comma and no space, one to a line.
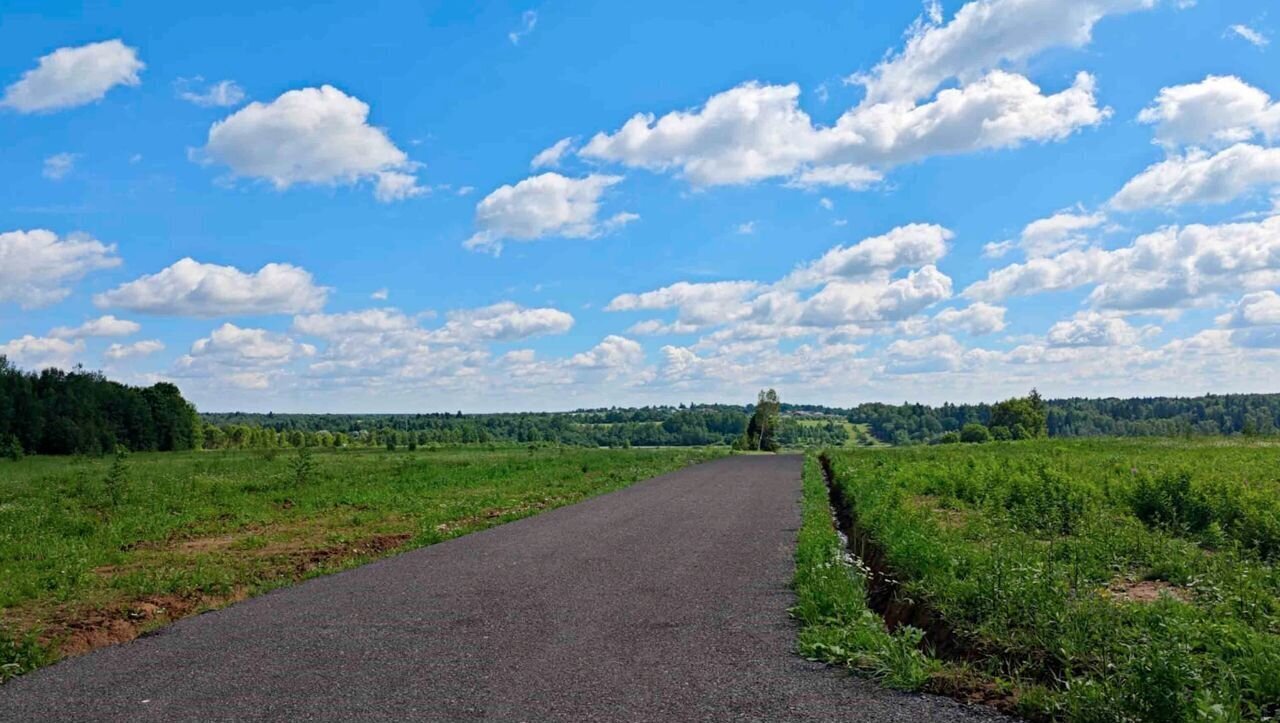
1089,580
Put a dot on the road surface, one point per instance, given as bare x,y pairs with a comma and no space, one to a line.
663,601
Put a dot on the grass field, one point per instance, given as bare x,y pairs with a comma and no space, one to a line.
859,435
94,552
1081,580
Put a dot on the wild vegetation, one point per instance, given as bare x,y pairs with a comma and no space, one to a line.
836,623
96,550
1080,580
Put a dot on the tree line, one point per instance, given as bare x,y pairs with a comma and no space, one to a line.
652,426
1208,415
82,412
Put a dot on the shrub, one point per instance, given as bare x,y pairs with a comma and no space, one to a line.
1169,500
117,477
974,433
303,466
11,448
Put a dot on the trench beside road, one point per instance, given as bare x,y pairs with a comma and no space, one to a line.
663,601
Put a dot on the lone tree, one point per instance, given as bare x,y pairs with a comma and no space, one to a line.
762,430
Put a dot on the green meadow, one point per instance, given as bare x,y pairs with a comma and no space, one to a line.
1110,580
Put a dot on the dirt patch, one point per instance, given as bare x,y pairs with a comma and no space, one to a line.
217,542
70,631
308,560
1145,591
948,517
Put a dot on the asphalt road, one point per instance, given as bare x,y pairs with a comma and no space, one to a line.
661,602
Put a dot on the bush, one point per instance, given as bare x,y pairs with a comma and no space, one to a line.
1170,501
117,477
974,433
303,466
11,448
950,438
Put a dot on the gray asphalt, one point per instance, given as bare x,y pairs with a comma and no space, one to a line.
664,601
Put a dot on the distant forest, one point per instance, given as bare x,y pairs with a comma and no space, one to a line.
638,427
800,424
82,412
1228,414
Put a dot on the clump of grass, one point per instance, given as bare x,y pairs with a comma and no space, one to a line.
836,625
20,655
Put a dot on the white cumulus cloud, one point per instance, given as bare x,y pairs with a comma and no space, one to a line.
1091,328
1050,236
699,304
505,321
146,347
912,245
34,352
1197,177
102,326
544,205
550,157
70,77
311,136
1217,110
756,131
841,302
984,34
976,319
612,354
36,265
1170,268
191,288
366,321
1261,308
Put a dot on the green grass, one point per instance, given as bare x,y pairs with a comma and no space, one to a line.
88,556
1094,580
836,626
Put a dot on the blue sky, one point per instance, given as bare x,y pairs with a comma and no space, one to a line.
422,206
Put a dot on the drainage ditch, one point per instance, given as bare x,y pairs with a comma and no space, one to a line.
885,594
